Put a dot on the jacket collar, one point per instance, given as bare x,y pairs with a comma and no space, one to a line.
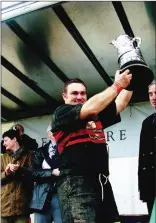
16,153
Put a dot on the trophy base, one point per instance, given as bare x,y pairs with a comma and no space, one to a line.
142,76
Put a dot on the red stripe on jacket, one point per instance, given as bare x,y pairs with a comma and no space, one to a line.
92,133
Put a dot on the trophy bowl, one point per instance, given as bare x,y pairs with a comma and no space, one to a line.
142,76
130,57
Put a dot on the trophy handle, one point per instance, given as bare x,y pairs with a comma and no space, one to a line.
138,41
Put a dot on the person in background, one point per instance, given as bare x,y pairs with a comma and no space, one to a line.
44,168
16,181
25,140
84,189
147,154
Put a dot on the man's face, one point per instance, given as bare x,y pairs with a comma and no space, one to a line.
9,143
152,95
76,94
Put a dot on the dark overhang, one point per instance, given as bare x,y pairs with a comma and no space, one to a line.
14,98
62,15
30,83
33,46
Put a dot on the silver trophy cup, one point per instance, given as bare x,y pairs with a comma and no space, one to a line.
130,57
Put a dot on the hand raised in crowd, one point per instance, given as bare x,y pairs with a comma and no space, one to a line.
56,172
14,167
123,78
7,169
11,168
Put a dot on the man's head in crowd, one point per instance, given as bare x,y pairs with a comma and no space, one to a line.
75,92
152,94
19,127
11,140
50,133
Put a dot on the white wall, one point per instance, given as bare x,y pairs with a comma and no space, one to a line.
124,159
123,140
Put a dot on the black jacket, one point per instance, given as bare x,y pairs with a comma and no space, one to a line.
147,159
44,180
27,142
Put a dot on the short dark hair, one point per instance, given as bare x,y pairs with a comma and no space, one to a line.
11,134
70,81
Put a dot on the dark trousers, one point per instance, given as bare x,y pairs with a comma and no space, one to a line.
81,200
107,210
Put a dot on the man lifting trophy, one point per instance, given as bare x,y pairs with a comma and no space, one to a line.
130,57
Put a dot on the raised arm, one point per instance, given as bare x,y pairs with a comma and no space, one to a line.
122,100
100,101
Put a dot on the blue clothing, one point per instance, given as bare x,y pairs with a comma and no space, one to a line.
44,197
51,214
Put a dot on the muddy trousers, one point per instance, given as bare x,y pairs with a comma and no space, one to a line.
85,200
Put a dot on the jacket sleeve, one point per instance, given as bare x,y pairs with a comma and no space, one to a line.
108,116
67,117
4,177
36,167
